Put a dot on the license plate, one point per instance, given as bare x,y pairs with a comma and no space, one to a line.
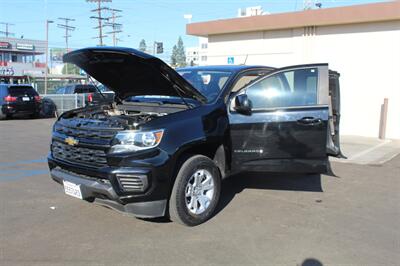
72,189
26,99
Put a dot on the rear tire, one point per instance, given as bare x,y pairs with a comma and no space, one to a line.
196,191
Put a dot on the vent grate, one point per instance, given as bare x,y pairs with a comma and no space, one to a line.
132,182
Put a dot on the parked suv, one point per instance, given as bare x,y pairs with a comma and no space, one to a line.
16,99
163,147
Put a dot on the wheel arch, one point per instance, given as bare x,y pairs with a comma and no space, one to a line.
217,152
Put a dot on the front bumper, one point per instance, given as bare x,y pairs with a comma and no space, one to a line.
102,192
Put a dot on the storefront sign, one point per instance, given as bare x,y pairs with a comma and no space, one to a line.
25,46
5,45
6,71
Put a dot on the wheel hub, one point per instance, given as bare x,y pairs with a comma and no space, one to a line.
199,191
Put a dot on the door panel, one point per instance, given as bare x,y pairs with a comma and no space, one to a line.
287,128
273,141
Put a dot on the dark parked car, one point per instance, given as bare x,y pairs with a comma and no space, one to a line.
76,88
165,149
90,91
16,99
106,95
86,89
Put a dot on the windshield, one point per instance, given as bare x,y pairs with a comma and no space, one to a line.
207,82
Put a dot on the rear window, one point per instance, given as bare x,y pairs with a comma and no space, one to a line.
85,89
21,91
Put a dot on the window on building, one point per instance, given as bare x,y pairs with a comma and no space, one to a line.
204,45
7,57
285,89
204,58
14,58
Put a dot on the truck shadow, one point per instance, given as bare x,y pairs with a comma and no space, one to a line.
269,181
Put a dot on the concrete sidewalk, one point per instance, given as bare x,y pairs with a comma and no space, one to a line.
364,150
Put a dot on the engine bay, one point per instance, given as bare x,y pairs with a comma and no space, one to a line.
112,116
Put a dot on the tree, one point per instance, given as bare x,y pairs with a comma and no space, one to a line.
142,45
70,69
178,57
180,53
173,56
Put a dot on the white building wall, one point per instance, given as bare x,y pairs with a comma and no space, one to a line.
366,55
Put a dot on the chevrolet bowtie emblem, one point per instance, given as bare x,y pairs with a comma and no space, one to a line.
71,141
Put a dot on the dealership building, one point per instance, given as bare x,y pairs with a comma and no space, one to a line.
22,61
19,59
362,42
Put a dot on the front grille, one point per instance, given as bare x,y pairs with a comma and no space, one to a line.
79,155
88,133
132,182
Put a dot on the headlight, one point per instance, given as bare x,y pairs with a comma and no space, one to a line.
136,140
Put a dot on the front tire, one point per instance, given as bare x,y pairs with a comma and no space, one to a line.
196,191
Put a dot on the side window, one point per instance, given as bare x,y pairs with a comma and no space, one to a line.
285,89
248,77
69,90
243,81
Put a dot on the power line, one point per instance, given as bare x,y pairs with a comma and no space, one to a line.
67,28
116,27
99,18
6,32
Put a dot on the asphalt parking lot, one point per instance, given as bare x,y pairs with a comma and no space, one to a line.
349,218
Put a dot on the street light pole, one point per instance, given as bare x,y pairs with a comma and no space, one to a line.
47,55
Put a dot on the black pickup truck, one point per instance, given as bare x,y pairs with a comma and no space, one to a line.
169,138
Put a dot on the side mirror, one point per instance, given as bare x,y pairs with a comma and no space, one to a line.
243,104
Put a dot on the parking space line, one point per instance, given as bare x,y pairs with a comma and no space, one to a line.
12,175
6,164
9,173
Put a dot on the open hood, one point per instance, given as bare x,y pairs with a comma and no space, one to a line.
129,72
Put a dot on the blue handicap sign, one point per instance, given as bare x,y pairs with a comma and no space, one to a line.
231,60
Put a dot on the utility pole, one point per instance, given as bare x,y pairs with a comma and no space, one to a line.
67,28
6,32
116,27
47,55
99,18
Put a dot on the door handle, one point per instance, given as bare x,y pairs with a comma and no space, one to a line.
309,121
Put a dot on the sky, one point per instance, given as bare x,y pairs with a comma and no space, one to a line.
160,20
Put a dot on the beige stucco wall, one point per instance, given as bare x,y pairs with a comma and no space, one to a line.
366,55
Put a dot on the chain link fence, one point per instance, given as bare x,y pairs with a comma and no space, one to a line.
59,103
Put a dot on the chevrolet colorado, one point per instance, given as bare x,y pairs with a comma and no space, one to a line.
170,136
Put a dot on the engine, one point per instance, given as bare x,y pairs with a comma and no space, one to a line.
110,118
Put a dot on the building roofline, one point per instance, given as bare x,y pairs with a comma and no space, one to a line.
375,12
2,38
